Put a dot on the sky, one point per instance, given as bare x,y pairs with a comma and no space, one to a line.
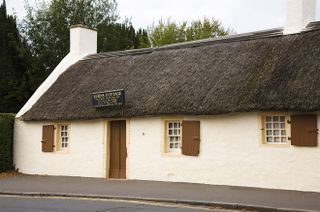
239,15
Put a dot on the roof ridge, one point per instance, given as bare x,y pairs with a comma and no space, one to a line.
209,41
274,32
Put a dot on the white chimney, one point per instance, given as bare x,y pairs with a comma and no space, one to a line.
83,40
299,14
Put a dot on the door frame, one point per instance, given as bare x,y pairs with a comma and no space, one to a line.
106,141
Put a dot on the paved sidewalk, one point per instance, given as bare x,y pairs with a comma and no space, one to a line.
227,196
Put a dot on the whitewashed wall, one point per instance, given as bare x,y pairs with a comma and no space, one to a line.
230,154
85,157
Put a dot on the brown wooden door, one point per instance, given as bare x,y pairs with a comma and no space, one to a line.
118,150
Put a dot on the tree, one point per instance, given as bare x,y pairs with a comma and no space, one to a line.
167,33
142,39
171,32
121,36
46,27
13,64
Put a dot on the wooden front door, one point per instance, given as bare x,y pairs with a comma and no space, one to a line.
118,150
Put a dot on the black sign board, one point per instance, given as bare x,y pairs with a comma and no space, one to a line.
108,98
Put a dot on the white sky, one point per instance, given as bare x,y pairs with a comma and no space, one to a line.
240,15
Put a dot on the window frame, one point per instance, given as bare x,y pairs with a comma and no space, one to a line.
263,130
167,136
164,143
58,138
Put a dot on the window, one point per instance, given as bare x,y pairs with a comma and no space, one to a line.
182,137
174,131
63,138
275,129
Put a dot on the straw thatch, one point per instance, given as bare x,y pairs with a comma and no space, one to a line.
276,73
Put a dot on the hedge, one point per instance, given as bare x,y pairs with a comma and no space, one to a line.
6,141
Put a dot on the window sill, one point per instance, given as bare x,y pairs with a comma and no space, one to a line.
171,154
65,151
286,145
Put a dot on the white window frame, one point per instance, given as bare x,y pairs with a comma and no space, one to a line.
275,129
173,136
63,137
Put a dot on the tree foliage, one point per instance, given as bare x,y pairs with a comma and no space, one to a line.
168,32
14,64
121,36
6,142
47,26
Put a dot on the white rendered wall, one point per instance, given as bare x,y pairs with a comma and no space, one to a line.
84,158
230,154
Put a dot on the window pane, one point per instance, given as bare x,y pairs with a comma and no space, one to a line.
170,125
175,125
171,139
276,125
269,139
268,125
175,132
283,132
282,118
171,145
269,132
276,139
268,118
283,125
283,139
170,132
276,132
275,118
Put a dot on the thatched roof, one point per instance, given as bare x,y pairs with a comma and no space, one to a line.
261,72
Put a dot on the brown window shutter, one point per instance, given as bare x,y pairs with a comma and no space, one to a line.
190,138
304,130
47,138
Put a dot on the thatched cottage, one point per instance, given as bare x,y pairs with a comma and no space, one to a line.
239,110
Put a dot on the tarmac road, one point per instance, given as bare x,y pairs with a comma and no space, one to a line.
36,204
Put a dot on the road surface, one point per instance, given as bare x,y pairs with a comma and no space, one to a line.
36,204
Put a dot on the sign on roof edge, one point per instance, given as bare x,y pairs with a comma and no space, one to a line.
108,98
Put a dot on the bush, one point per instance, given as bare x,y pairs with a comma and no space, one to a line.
6,141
